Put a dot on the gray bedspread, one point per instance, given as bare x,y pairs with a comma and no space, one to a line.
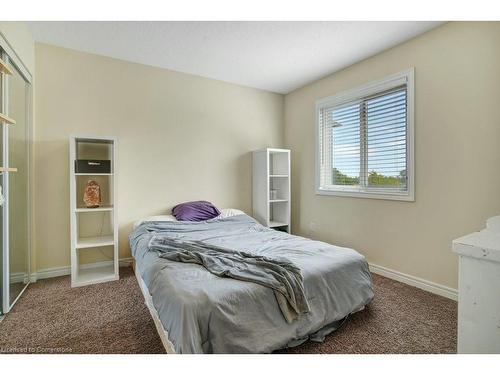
278,273
205,313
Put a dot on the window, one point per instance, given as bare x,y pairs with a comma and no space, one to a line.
365,141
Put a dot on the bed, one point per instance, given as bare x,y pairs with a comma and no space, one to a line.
196,311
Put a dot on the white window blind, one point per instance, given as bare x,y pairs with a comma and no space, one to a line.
364,140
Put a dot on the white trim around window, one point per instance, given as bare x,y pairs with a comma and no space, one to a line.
324,145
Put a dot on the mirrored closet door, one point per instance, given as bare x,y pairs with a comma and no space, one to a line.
14,179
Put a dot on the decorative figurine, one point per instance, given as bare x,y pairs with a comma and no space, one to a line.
92,194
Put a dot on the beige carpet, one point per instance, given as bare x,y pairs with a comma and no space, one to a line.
112,318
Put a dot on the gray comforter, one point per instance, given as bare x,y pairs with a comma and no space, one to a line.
276,273
205,313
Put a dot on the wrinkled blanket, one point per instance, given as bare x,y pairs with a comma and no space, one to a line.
278,274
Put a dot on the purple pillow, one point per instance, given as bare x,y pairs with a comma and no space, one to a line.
195,211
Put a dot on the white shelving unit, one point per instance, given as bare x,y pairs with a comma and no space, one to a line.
271,171
94,231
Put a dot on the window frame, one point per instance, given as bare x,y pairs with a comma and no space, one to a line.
405,77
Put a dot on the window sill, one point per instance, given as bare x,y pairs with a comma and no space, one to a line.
384,195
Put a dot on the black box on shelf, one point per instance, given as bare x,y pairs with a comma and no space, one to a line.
92,166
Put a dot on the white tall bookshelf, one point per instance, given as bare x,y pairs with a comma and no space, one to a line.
271,171
94,231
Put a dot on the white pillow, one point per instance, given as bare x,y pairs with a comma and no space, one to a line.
228,212
155,218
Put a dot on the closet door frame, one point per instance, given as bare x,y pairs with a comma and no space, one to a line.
9,56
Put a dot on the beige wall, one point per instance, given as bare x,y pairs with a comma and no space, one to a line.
19,37
457,134
183,137
180,137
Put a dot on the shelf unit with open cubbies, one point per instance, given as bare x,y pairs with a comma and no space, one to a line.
94,231
271,188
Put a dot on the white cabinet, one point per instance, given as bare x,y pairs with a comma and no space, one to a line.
94,231
271,188
479,290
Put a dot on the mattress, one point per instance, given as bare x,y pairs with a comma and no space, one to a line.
204,313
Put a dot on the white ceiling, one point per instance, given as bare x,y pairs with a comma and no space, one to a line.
274,56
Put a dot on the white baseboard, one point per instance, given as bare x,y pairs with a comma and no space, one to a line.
66,270
18,277
417,282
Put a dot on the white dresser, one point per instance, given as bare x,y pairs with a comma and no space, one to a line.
479,289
